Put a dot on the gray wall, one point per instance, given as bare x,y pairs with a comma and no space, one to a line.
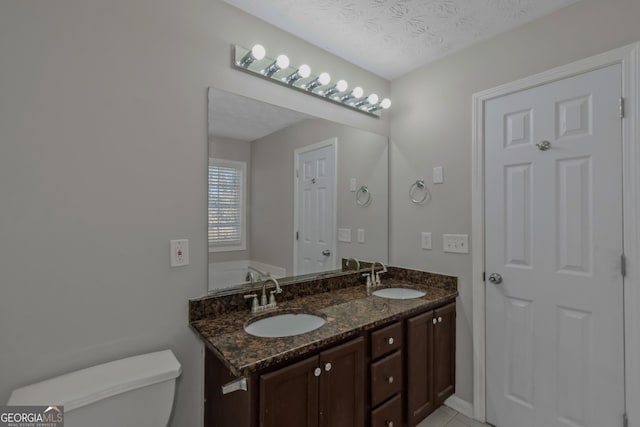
103,157
103,149
361,154
431,126
239,151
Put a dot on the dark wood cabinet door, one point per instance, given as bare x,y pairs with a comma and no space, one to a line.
342,385
420,401
289,396
444,357
237,409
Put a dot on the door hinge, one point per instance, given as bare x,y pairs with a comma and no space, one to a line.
623,265
622,108
297,235
297,173
484,278
625,420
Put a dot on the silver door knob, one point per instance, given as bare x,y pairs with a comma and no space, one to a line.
326,252
390,380
327,367
439,319
390,341
317,372
434,321
495,278
543,145
389,423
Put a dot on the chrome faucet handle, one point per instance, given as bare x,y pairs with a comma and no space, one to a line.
254,303
272,298
378,273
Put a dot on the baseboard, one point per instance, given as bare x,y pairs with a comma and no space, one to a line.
460,405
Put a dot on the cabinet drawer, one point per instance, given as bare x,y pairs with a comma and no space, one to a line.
386,340
386,378
389,414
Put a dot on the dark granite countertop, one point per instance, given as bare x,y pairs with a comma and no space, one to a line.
348,311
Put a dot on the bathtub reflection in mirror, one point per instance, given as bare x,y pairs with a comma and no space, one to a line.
284,190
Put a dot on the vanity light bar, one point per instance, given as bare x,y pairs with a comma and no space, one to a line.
254,61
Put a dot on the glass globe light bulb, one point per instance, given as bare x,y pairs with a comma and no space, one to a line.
258,51
304,71
324,78
342,85
282,61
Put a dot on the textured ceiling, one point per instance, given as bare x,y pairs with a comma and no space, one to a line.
245,119
393,37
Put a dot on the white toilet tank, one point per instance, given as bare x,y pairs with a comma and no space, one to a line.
134,392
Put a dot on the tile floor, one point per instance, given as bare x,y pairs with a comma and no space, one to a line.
445,416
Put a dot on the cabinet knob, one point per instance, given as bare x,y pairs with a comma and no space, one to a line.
317,372
439,319
327,367
435,320
389,423
391,341
390,379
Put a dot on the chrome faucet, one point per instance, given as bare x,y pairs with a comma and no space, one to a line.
260,273
263,304
356,261
250,278
375,276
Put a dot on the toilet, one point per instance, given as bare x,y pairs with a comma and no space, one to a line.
136,391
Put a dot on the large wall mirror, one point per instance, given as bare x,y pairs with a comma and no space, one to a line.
290,194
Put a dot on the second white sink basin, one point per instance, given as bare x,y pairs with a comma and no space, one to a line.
399,293
285,325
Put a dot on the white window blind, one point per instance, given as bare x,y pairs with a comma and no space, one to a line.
226,205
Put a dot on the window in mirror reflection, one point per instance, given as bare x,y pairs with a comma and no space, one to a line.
227,205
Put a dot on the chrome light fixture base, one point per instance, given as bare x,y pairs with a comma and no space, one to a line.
302,80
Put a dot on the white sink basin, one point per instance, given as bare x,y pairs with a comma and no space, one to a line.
399,293
284,325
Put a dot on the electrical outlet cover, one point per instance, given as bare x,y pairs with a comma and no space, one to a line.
179,252
455,243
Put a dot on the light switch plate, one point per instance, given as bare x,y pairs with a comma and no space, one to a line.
426,240
438,175
360,235
179,252
344,235
455,243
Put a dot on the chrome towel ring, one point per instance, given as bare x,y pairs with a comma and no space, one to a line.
418,187
363,196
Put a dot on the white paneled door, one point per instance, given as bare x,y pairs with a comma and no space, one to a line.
315,201
554,298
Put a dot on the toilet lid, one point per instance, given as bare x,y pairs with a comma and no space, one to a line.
86,386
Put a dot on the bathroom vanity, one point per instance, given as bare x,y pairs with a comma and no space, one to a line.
376,361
